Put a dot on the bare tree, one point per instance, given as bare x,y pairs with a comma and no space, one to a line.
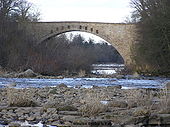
153,51
14,42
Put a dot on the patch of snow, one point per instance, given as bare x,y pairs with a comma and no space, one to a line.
107,72
104,102
126,88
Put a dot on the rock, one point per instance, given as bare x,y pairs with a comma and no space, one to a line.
132,104
74,113
141,112
95,87
50,104
117,87
12,84
67,108
51,110
3,122
13,124
27,73
118,103
120,77
9,75
154,120
135,75
100,122
81,121
78,86
165,119
68,123
62,85
59,125
92,122
168,86
56,123
69,118
31,118
132,125
60,77
130,120
159,119
55,116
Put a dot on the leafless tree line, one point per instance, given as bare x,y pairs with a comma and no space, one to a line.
60,55
15,43
152,53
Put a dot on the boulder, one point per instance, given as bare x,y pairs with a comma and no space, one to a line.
60,77
62,85
135,75
31,118
168,86
27,73
13,124
69,118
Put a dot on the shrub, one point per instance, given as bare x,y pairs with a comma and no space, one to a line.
20,98
82,73
93,106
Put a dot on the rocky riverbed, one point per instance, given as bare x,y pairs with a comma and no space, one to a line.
61,106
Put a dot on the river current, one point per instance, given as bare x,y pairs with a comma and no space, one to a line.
84,82
128,82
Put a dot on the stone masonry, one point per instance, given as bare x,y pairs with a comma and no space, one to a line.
119,35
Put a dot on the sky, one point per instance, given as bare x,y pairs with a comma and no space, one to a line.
111,11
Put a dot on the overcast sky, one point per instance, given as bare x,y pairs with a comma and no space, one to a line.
83,10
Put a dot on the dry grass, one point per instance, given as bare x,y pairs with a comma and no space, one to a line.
20,98
158,99
140,97
2,71
92,105
164,105
82,73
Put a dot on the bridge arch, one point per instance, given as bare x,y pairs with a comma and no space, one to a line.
56,33
120,36
62,29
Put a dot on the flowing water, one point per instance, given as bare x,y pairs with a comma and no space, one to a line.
84,82
128,82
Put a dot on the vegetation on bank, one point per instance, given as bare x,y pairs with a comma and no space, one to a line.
152,53
15,43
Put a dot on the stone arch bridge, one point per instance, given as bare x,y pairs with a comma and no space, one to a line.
120,36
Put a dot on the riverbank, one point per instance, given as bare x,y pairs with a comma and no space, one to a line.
31,74
97,106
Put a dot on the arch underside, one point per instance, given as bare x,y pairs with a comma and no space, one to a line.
54,34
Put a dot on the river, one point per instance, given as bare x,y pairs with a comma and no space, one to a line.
127,82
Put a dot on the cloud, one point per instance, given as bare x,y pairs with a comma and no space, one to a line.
87,10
